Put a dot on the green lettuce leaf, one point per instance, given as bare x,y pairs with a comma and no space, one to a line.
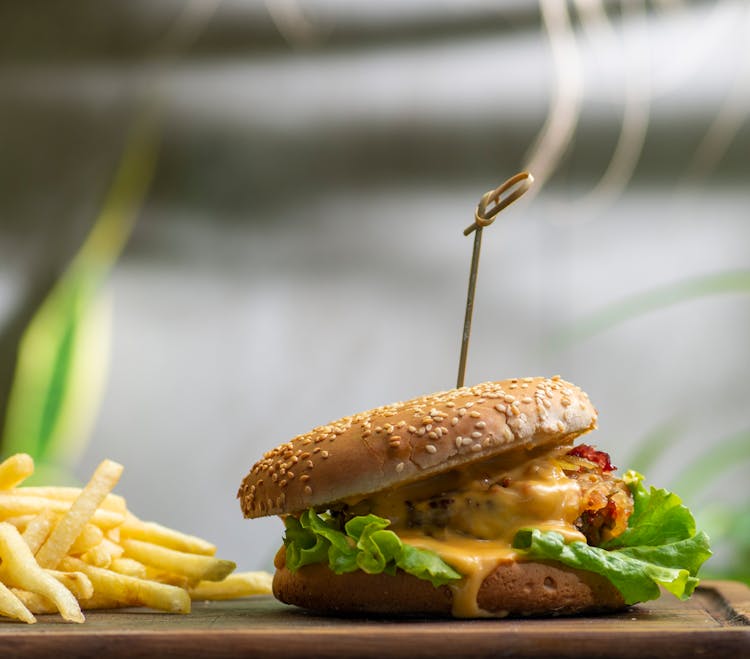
660,547
365,544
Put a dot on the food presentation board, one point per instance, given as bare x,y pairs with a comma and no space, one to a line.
714,623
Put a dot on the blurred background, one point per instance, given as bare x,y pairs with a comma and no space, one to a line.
225,222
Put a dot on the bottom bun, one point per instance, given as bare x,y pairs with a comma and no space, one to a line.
512,589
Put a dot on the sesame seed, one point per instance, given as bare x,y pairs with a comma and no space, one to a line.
310,464
432,434
400,467
305,477
476,447
462,411
469,405
465,441
308,490
282,483
513,386
476,434
421,431
474,414
500,408
454,421
412,429
527,399
508,398
480,424
458,441
430,448
290,475
324,454
507,433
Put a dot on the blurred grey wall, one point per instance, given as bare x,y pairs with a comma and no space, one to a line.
300,254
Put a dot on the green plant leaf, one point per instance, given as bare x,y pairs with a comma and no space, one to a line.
655,444
63,354
723,455
732,281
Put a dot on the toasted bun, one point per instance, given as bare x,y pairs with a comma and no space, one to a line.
513,589
404,442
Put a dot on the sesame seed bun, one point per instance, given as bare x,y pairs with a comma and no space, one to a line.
512,589
404,442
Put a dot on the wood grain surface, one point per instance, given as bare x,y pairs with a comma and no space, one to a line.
714,623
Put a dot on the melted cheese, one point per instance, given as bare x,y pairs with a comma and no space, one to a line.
485,512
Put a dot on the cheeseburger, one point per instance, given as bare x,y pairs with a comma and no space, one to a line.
473,502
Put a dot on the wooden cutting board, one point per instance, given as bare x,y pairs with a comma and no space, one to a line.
714,623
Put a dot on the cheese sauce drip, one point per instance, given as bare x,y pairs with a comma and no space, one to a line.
470,517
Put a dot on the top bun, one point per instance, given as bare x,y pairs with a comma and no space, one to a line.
404,442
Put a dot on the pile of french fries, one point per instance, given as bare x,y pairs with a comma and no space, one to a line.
65,549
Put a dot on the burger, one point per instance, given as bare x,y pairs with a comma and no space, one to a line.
473,502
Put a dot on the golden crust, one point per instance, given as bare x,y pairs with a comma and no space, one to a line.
407,441
403,442
513,589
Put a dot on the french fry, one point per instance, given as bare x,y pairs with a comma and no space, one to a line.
64,549
131,591
197,567
38,529
19,521
15,470
99,601
98,557
112,502
18,568
81,511
154,533
14,505
240,584
91,536
113,549
76,582
36,603
173,579
12,607
129,567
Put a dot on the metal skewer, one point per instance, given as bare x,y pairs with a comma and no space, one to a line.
516,186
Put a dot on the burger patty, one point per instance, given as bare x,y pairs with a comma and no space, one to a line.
585,495
606,502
